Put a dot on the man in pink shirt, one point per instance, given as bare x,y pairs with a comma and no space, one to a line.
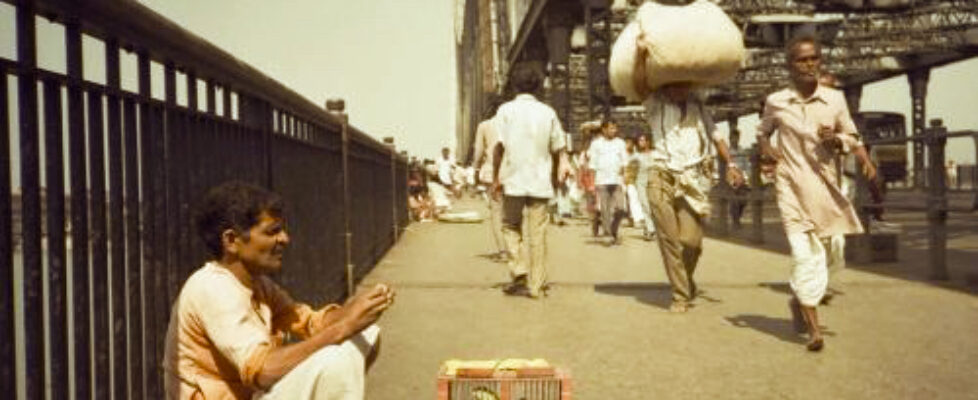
226,331
813,126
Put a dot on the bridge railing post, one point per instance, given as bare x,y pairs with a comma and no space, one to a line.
338,107
935,140
756,196
723,189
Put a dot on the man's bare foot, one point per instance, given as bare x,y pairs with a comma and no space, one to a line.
816,344
678,307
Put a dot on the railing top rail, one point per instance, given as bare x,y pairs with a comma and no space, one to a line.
138,28
921,138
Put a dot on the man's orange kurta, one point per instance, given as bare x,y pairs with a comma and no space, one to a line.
806,182
221,331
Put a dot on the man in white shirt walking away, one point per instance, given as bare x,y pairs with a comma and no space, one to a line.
608,158
531,142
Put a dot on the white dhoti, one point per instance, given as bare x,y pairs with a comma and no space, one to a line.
635,205
810,275
814,259
332,373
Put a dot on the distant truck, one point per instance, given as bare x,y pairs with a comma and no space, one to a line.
891,159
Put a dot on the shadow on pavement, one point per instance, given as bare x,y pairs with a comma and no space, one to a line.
780,328
779,287
494,257
656,294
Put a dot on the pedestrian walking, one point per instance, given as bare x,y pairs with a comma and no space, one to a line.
813,126
531,144
641,162
685,142
486,137
607,158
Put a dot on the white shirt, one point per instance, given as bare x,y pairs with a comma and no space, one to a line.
607,158
445,167
680,143
530,133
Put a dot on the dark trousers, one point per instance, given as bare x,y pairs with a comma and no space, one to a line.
611,199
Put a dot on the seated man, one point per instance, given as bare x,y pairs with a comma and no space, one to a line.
225,338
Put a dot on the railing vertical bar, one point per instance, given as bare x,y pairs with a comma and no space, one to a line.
161,243
189,177
265,150
8,361
149,236
119,365
30,201
227,136
100,264
171,129
57,294
81,303
757,199
134,292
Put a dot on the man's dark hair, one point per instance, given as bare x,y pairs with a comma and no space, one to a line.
526,78
789,48
233,205
606,122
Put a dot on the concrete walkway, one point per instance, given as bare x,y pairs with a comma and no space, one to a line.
606,319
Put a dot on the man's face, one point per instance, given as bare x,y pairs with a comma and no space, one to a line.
262,249
445,153
676,92
610,131
804,63
643,143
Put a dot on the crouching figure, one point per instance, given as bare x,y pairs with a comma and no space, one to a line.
226,330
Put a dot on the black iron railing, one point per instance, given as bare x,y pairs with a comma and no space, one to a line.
109,252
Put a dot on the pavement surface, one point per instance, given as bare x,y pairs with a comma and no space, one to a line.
892,334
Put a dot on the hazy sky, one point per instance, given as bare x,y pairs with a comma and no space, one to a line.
393,61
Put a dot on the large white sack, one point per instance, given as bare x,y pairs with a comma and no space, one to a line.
621,64
695,43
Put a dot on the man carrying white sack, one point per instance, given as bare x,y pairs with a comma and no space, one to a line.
813,125
680,176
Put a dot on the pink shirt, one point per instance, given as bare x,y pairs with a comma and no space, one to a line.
808,193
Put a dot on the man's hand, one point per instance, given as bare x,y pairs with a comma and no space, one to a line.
735,177
641,49
768,162
363,309
869,171
640,74
828,137
497,190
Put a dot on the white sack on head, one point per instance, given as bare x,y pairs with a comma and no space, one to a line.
695,43
621,64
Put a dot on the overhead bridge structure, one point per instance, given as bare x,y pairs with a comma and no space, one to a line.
570,40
